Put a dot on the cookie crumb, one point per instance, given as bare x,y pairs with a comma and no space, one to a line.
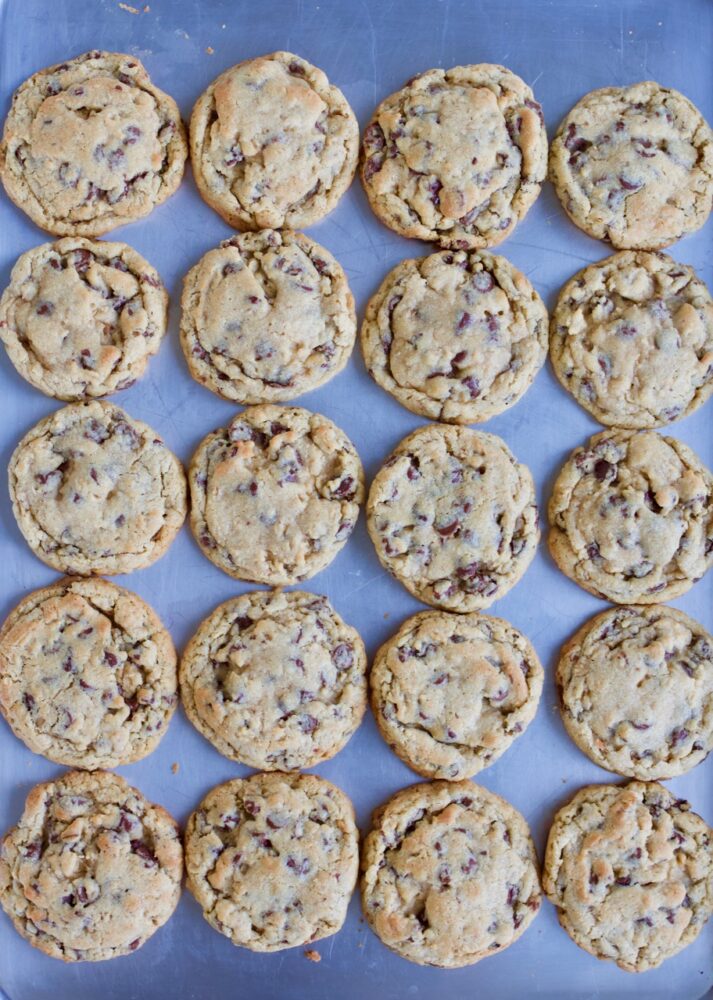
387,615
312,955
129,9
210,50
175,767
146,9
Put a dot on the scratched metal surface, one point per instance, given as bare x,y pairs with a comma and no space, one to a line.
368,48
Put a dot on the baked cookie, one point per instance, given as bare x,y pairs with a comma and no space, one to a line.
81,318
87,674
450,693
636,691
453,516
634,165
632,339
273,143
273,859
449,874
275,495
275,680
456,336
92,869
95,491
266,317
457,156
631,517
91,144
630,870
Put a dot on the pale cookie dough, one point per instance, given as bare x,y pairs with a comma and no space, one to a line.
273,143
636,691
273,859
91,144
632,339
630,870
275,680
457,337
266,317
81,318
634,165
631,517
95,491
450,693
92,869
453,516
449,874
87,674
457,156
275,495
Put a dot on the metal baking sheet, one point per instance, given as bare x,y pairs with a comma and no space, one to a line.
563,48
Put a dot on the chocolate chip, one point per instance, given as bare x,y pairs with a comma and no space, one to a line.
604,470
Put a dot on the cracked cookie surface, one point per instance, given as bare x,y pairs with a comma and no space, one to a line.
273,143
92,869
81,318
632,339
275,495
275,680
631,517
457,156
95,491
273,859
453,516
630,870
266,317
636,691
91,144
449,874
634,165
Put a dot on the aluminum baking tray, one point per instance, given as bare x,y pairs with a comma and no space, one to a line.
563,48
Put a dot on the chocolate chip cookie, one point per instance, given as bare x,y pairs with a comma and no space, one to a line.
275,495
81,318
455,336
630,870
91,144
273,859
636,691
632,339
450,693
92,869
457,156
273,143
275,680
453,516
87,674
266,317
449,874
634,165
95,491
631,517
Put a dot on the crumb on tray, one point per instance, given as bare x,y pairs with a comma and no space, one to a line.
312,955
175,767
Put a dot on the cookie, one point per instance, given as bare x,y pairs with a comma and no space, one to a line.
95,491
634,166
92,869
631,517
274,144
632,339
266,317
275,680
87,674
456,337
457,156
453,517
275,495
450,693
273,859
449,874
630,870
91,144
636,691
81,318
